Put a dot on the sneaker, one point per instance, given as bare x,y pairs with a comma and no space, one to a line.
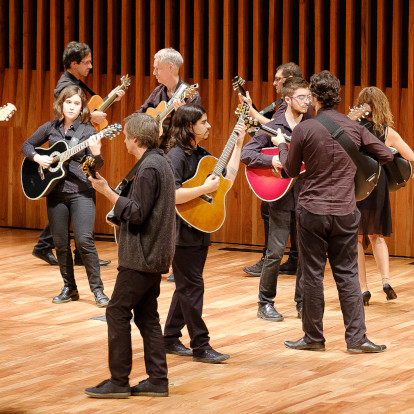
256,269
177,348
67,295
269,313
146,388
290,267
100,298
107,389
46,255
210,356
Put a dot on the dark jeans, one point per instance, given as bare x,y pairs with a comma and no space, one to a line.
264,212
187,302
78,208
135,291
337,236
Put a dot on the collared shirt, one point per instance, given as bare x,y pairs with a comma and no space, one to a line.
52,132
185,166
159,94
328,183
67,79
252,157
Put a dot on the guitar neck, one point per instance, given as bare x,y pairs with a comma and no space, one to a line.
222,161
74,150
109,102
272,132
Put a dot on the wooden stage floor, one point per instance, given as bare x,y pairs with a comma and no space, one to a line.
50,353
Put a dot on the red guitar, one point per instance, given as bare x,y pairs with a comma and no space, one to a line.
269,184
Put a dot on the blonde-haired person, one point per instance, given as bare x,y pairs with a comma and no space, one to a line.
375,210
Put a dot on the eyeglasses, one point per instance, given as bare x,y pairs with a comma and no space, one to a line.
302,98
278,80
86,62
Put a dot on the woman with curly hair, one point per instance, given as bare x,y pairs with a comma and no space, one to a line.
375,223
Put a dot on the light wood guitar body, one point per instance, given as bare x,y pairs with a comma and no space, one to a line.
156,112
206,213
94,104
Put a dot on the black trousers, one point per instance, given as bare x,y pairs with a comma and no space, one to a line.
78,208
138,292
336,236
264,212
187,302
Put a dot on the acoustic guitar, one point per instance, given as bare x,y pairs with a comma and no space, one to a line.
268,184
399,170
96,103
7,111
38,182
208,212
163,109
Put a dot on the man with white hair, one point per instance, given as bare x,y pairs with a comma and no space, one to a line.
167,64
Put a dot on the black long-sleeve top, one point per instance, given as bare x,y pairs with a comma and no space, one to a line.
52,132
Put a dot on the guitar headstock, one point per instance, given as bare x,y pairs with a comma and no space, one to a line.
7,111
88,166
252,125
125,81
111,131
190,91
242,111
237,82
358,112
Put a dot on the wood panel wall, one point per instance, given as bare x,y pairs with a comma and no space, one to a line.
363,42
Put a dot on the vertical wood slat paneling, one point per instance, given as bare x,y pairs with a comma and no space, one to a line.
381,44
319,35
365,43
198,42
349,50
218,98
334,38
304,37
396,57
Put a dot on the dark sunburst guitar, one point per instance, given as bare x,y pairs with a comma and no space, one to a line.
208,212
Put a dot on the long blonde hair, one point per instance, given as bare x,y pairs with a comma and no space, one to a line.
380,107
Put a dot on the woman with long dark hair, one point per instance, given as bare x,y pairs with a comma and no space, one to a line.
72,200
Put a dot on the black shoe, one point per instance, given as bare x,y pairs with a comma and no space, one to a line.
77,260
177,348
302,345
46,255
100,298
107,389
269,313
366,296
367,347
170,278
211,357
299,309
256,269
145,388
290,267
389,291
66,295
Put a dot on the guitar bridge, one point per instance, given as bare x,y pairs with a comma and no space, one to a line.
207,198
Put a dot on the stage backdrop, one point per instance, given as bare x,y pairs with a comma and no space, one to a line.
363,42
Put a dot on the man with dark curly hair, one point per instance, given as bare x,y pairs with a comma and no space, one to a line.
327,217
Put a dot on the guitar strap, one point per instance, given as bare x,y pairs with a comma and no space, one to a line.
78,133
339,135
